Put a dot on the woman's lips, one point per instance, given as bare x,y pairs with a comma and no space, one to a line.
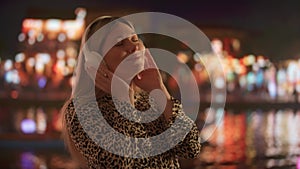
135,56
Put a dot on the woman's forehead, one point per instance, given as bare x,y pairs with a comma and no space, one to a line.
120,31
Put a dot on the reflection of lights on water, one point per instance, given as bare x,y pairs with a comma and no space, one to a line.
27,160
18,117
42,82
278,128
28,126
14,94
30,161
269,131
271,136
41,121
229,135
281,134
291,125
34,122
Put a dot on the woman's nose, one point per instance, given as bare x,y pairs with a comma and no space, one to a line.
131,47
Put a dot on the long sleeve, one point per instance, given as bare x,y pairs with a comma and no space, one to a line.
87,132
190,146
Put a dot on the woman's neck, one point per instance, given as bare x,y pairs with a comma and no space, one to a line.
133,90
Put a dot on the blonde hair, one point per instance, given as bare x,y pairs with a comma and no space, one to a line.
76,156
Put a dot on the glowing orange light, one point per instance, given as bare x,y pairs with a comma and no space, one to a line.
182,57
14,94
32,24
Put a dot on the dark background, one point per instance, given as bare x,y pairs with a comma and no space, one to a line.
274,26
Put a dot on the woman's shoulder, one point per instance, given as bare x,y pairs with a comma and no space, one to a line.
68,106
74,106
69,109
141,94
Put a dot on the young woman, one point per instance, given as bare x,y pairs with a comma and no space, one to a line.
121,86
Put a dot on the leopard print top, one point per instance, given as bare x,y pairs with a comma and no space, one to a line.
85,132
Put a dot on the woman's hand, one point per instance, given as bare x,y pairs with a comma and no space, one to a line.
149,80
104,79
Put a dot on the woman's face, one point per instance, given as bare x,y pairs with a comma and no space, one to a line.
120,42
121,50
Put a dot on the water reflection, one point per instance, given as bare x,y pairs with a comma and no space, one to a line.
245,139
36,158
254,139
29,160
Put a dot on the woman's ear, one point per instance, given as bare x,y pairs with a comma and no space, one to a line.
92,62
93,59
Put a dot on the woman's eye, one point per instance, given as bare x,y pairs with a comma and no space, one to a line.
119,43
135,40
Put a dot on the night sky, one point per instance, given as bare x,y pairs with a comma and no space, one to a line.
276,25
